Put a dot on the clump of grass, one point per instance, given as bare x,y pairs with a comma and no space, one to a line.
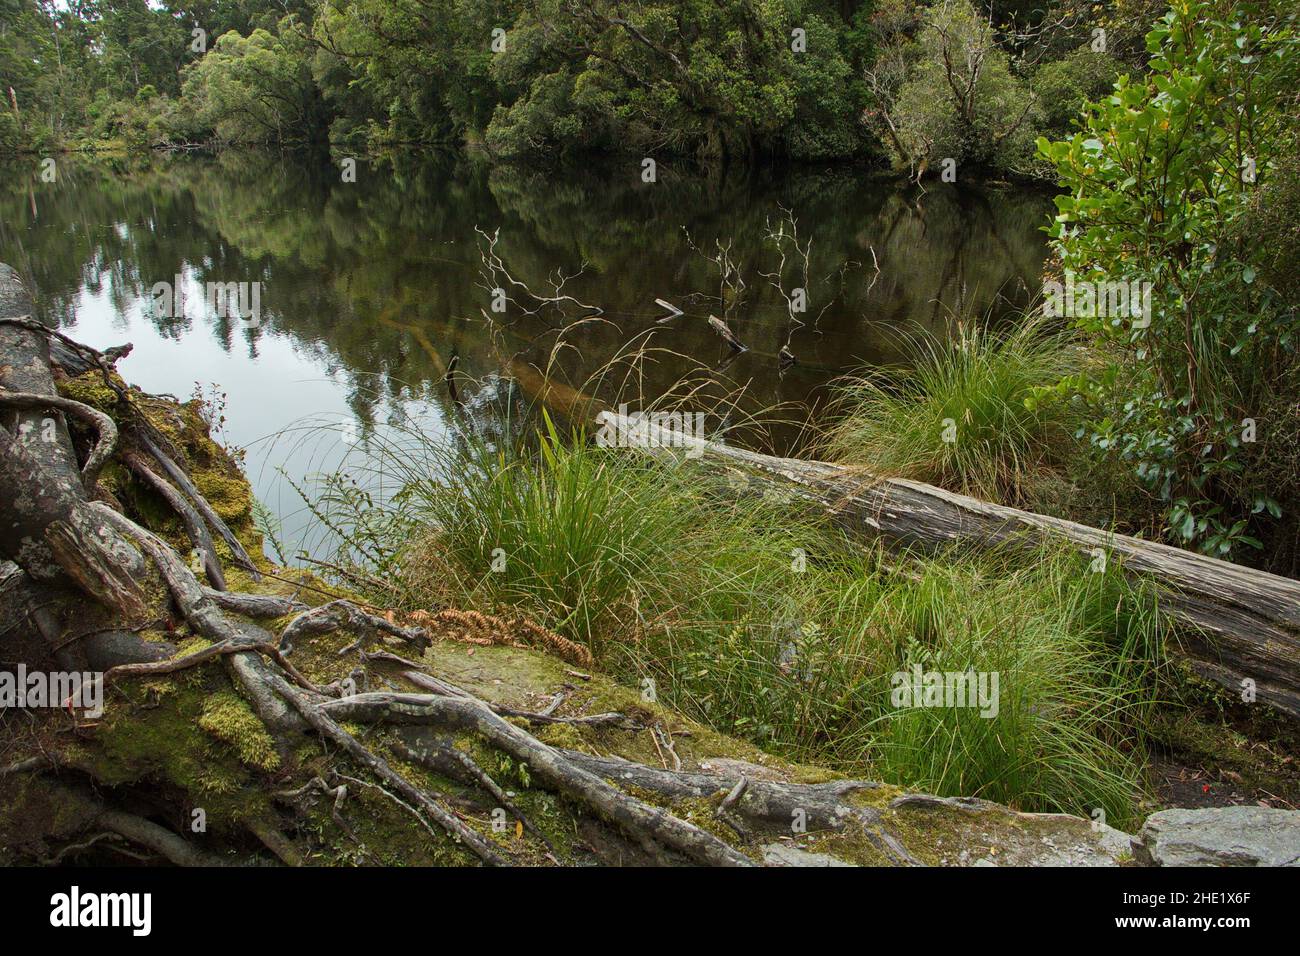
962,416
1076,654
807,668
601,545
567,533
766,622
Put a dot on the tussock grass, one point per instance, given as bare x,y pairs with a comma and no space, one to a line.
764,621
962,415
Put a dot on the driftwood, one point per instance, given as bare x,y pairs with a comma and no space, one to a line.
1238,624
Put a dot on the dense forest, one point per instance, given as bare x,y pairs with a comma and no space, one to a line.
892,80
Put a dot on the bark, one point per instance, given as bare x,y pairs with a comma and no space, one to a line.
49,530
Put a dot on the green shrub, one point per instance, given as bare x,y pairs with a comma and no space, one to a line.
1065,87
1158,185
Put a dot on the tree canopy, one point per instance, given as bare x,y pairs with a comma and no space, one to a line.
886,80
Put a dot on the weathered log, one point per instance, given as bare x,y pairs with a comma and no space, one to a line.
1237,624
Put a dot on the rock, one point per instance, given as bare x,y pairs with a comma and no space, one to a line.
779,854
1220,836
979,833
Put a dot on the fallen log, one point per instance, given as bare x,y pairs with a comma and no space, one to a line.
1237,624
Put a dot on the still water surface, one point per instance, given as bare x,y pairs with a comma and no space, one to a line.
370,289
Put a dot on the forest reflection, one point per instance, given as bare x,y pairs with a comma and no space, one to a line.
379,282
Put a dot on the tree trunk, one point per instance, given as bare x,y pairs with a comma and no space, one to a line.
49,530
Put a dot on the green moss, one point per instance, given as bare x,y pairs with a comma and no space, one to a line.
192,645
230,495
931,832
89,389
855,843
564,736
227,717
381,833
212,468
115,479
876,797
151,732
318,656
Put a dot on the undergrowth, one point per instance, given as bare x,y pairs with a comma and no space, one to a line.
762,620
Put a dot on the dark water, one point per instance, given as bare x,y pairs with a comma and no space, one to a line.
369,288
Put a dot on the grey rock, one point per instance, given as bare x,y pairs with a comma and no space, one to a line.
779,854
1220,836
980,833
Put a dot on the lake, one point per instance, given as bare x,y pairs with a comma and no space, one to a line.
370,289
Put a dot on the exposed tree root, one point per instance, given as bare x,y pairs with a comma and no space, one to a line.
104,426
429,682
343,613
276,842
177,474
446,759
69,550
194,525
254,605
339,795
656,828
822,806
314,713
157,839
